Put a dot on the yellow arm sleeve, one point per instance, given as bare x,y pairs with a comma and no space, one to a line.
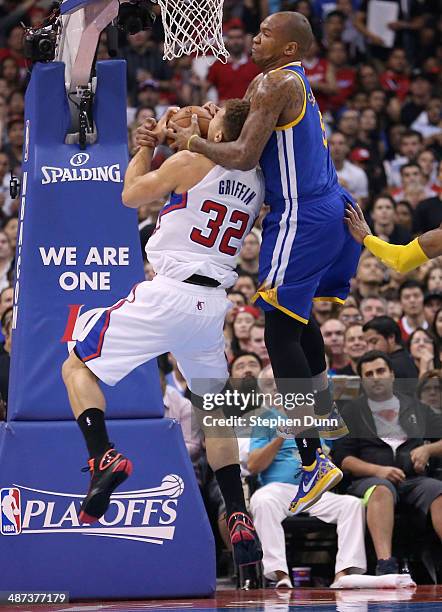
403,259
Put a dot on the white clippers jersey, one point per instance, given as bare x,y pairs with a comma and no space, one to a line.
202,231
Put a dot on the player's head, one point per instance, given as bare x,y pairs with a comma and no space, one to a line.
282,36
227,124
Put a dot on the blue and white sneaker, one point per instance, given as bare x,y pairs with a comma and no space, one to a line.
316,479
334,427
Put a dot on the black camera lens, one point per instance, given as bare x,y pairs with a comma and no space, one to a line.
45,46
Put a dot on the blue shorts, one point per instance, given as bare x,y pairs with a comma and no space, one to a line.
307,254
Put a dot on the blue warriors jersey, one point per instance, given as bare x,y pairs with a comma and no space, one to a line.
296,160
307,252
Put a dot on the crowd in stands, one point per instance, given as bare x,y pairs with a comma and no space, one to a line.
381,106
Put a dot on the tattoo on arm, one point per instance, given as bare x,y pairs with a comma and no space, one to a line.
276,93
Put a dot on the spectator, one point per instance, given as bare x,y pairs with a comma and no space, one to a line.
429,122
257,343
391,466
321,76
404,215
433,279
247,285
428,214
350,176
355,345
231,79
11,228
14,47
384,226
423,349
238,299
179,408
333,334
16,103
368,135
5,360
368,79
348,125
429,166
395,79
411,297
420,89
429,390
249,255
5,178
432,304
6,257
412,188
383,334
245,318
246,366
349,315
394,309
276,462
369,276
144,61
322,311
373,306
345,76
436,328
410,145
14,147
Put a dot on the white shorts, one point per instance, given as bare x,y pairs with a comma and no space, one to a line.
159,316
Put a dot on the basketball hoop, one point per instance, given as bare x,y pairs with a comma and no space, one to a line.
193,26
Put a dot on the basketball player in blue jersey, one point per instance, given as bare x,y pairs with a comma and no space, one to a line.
307,252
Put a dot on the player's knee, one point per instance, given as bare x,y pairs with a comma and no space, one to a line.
71,365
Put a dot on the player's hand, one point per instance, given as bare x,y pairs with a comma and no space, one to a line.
161,128
145,136
152,133
357,225
180,136
212,108
420,457
393,474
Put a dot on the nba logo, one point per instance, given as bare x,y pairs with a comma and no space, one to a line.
10,511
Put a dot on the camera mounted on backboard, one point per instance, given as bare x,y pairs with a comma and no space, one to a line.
40,43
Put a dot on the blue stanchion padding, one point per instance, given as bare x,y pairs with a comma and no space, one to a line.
155,540
78,246
70,6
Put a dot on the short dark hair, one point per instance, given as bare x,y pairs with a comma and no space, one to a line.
410,165
385,326
335,13
384,196
236,114
409,133
237,291
244,354
410,284
372,356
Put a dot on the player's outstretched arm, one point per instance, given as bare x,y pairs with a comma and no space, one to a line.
158,184
140,184
401,258
274,93
431,243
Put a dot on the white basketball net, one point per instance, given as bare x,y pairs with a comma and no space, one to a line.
193,26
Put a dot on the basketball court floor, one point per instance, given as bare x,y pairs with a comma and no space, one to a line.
424,598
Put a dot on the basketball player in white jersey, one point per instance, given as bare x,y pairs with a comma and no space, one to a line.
193,250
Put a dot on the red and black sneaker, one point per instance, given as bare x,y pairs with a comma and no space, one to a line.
108,471
245,542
